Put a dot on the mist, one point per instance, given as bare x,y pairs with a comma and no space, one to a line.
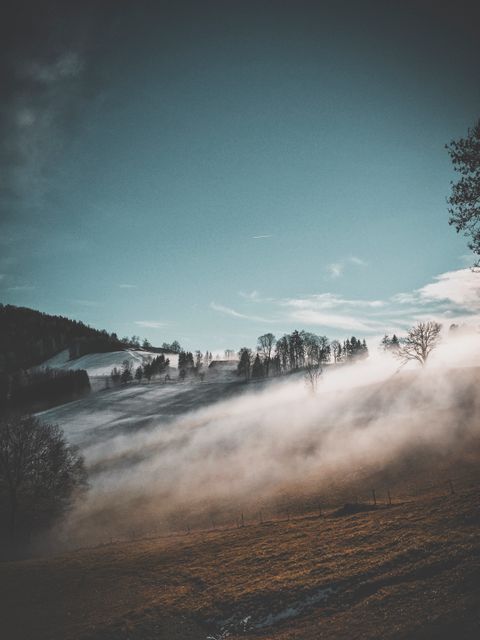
275,443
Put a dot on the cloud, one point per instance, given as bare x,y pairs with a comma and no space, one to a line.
236,314
461,287
150,324
264,237
85,303
335,269
21,287
357,261
329,301
336,321
50,71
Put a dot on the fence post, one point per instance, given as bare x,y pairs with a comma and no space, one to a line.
374,497
261,517
452,490
389,498
243,522
319,510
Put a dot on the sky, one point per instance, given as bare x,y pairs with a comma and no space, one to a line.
210,171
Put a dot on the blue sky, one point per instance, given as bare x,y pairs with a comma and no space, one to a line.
210,171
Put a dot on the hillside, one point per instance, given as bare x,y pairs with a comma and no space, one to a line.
101,364
411,570
221,510
29,337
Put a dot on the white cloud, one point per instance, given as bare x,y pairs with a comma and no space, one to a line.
127,286
329,301
252,295
264,237
357,261
150,324
236,314
336,321
21,287
460,287
85,303
335,269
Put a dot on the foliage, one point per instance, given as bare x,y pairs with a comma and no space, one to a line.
464,200
244,367
39,474
390,344
313,372
28,338
40,390
421,340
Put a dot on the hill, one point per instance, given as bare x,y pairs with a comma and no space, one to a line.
406,571
29,337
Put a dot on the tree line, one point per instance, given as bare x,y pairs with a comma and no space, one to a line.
296,351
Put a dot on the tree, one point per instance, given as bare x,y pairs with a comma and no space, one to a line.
464,200
282,352
126,375
421,340
265,347
336,349
174,347
390,344
313,371
146,344
317,348
39,473
139,373
244,363
258,370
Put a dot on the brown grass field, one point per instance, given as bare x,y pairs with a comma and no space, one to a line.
409,570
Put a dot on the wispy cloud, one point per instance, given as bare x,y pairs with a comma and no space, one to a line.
236,314
127,286
462,287
329,301
342,322
85,303
335,269
21,287
264,237
357,261
451,297
150,324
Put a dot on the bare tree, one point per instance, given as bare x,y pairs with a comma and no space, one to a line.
336,349
312,376
39,473
265,348
420,342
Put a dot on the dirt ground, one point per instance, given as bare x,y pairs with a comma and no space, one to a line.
409,570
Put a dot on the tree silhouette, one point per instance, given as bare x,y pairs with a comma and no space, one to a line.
464,200
421,340
265,347
39,473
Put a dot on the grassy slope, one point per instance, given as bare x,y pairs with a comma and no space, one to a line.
407,571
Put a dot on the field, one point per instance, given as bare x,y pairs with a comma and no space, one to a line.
409,570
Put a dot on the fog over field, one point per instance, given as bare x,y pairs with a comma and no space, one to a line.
160,455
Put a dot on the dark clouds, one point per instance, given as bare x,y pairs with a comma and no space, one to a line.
47,74
51,55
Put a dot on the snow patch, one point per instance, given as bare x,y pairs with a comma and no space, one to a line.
244,624
101,364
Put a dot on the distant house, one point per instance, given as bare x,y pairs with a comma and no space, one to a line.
222,366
